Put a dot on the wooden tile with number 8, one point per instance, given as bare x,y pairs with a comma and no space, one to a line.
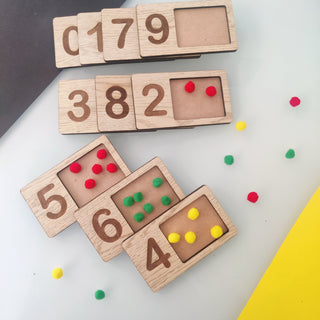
115,103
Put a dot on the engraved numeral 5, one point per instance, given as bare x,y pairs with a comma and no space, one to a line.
45,202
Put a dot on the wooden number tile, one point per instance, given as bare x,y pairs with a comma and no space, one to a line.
90,38
115,103
57,194
66,46
77,106
186,27
128,206
120,34
181,99
179,238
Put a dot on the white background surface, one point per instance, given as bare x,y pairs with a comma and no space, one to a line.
278,58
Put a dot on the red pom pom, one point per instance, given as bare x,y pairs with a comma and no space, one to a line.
90,183
75,167
295,101
189,87
101,154
253,197
111,167
97,168
211,91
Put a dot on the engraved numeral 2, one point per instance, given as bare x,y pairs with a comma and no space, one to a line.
150,112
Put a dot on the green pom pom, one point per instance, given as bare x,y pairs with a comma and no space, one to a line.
128,201
99,294
228,160
138,217
157,182
148,207
290,154
138,197
165,200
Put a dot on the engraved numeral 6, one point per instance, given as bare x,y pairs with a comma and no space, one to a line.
101,229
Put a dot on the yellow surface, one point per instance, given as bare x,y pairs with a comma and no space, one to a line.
241,125
174,237
193,214
57,273
290,288
190,237
216,232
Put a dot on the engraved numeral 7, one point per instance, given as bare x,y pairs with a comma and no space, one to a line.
122,38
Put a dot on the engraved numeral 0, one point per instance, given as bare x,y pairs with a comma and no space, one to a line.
45,202
113,101
100,228
164,28
122,38
150,112
66,42
162,258
98,29
82,104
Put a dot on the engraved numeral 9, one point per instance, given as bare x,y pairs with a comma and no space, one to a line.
163,28
45,202
100,229
82,104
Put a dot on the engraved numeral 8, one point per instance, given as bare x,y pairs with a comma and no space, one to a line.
113,101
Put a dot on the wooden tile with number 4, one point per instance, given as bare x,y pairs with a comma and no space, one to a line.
111,218
56,195
160,261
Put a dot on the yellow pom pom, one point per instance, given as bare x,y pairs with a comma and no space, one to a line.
241,125
190,237
216,232
174,237
57,273
193,214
